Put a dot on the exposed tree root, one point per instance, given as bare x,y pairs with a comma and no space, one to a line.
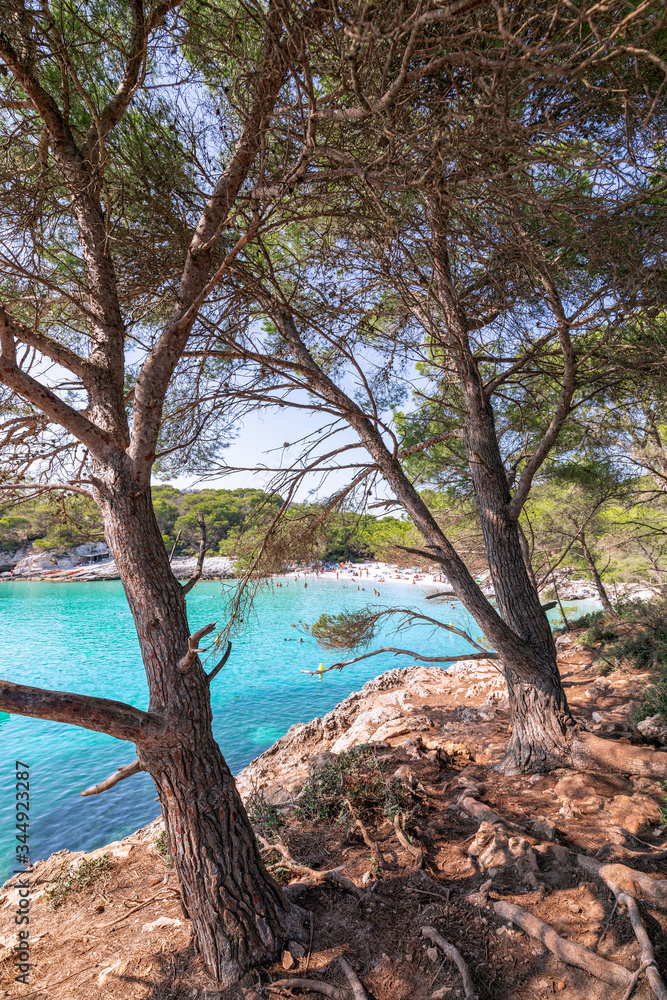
368,840
625,852
358,992
636,976
592,753
416,852
482,813
312,985
284,851
624,882
455,955
638,884
648,958
566,951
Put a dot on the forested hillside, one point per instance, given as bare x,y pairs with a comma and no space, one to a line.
50,522
580,522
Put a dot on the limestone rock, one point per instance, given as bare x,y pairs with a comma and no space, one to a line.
634,813
495,848
456,752
577,795
155,925
364,727
543,828
654,728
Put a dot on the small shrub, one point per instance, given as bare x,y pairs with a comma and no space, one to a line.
654,700
598,628
162,847
358,776
636,638
86,875
397,799
263,815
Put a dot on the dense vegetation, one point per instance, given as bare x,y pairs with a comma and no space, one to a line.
634,637
55,523
623,525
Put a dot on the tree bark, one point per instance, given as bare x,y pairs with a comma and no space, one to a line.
240,916
541,721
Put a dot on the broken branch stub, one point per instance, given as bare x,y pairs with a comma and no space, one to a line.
123,772
186,661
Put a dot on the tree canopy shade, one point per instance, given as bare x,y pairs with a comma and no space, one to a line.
173,172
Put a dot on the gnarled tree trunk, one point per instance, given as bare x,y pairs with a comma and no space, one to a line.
240,916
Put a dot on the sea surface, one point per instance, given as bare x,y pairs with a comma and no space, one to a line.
80,637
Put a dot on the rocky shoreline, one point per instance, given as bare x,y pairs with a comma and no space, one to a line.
92,561
481,846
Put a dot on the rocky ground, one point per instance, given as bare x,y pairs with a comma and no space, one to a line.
466,847
76,566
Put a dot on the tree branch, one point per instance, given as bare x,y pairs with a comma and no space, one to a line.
132,78
47,486
102,715
186,661
404,76
156,373
429,442
404,652
218,667
98,442
499,633
123,772
563,405
187,587
46,345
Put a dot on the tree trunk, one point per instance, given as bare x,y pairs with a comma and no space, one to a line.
240,916
541,722
597,579
544,735
542,726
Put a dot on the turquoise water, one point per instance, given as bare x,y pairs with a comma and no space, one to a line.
80,637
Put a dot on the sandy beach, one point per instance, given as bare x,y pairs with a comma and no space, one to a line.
376,575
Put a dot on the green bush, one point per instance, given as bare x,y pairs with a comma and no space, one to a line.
654,700
599,627
635,638
358,777
263,815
